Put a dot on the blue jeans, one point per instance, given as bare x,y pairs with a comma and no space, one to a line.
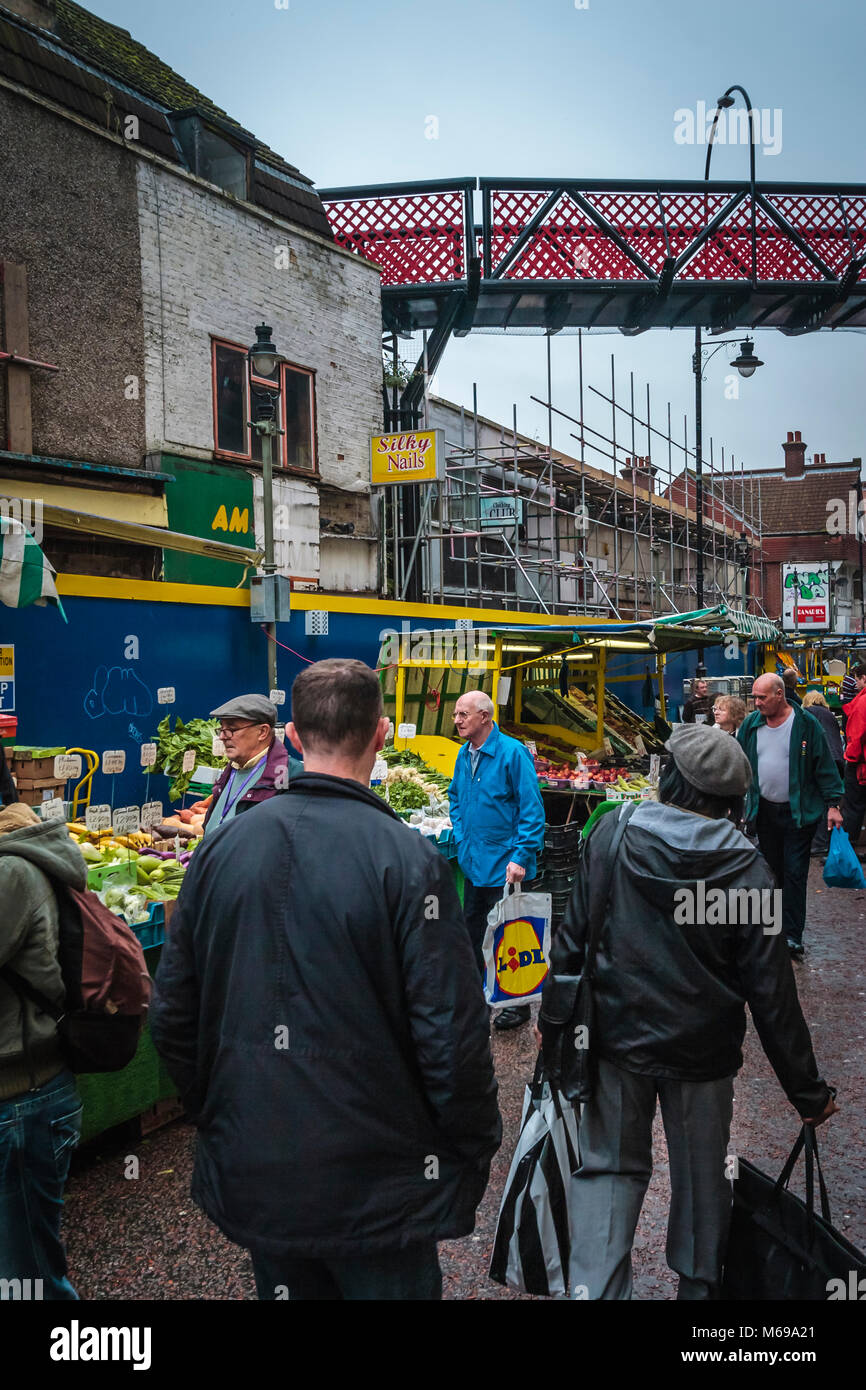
38,1131
412,1274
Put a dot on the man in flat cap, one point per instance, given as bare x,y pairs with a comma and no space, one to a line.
258,766
690,931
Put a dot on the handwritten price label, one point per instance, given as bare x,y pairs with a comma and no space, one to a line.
278,697
67,765
217,747
53,809
151,814
165,695
380,770
98,818
127,819
189,759
406,730
148,754
113,761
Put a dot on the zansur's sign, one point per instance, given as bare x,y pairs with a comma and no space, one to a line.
415,456
806,596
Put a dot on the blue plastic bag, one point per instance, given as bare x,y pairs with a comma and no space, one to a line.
842,868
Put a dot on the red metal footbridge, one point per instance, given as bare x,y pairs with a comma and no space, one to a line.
554,255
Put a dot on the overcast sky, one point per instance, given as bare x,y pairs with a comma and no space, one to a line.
520,88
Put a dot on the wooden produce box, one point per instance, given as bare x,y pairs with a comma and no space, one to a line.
34,796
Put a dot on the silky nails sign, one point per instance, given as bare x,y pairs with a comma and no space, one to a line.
411,457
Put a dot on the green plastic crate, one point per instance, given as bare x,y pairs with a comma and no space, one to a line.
101,876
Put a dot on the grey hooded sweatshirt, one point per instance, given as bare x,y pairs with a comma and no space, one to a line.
28,943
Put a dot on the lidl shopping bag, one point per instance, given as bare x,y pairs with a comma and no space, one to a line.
842,867
517,948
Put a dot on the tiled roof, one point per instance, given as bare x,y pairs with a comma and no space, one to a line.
797,506
96,69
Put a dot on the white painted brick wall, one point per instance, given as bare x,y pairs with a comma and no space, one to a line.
208,267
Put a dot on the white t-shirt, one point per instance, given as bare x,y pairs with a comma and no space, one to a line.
774,761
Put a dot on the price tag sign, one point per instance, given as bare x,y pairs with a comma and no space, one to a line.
67,765
406,730
113,761
98,818
127,819
217,747
151,814
189,759
148,754
278,697
640,746
655,766
380,770
53,809
581,784
165,695
532,746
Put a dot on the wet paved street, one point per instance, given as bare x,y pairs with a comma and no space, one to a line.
144,1239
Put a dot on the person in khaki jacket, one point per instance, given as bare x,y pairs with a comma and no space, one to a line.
40,1110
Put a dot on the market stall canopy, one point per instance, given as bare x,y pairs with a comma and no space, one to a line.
156,536
25,574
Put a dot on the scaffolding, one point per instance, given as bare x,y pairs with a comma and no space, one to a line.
519,525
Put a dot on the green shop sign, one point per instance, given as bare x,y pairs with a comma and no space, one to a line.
212,501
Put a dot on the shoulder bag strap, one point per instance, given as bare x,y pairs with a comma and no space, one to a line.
599,901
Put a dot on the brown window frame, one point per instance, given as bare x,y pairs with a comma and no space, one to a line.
251,382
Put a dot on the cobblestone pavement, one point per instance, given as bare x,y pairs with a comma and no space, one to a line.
144,1239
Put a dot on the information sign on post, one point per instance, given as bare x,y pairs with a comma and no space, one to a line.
127,819
406,730
66,766
188,762
278,697
165,695
148,754
113,761
98,818
151,814
218,748
380,770
53,809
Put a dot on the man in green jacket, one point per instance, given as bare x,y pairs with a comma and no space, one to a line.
794,784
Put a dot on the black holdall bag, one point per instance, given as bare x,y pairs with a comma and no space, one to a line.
779,1247
567,1017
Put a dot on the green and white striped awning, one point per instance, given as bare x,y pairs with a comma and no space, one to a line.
736,620
25,574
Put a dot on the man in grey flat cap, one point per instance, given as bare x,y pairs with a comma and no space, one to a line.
690,931
259,765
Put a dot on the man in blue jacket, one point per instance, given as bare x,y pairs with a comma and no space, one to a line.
498,819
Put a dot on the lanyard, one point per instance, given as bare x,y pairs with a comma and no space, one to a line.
230,800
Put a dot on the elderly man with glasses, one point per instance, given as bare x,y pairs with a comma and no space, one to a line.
258,766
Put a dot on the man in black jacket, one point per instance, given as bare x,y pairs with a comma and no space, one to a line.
682,950
317,1005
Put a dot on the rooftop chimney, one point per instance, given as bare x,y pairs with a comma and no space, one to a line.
41,13
795,455
639,472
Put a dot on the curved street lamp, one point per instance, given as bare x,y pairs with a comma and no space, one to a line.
747,363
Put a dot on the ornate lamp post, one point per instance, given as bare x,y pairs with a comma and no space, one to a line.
264,362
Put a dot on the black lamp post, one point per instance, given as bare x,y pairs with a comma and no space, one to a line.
746,363
264,362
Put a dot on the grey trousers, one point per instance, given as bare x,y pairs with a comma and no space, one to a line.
608,1190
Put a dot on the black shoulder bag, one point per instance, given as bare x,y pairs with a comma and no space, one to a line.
567,1017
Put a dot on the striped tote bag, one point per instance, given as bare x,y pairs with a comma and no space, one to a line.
531,1249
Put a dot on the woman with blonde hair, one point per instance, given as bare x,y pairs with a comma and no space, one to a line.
729,713
815,704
